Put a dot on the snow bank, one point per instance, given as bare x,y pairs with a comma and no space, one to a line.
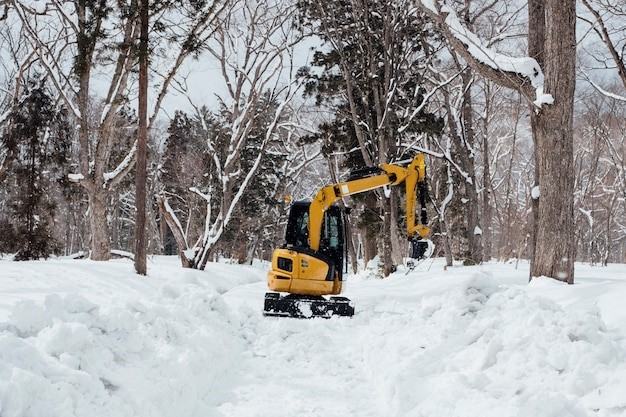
69,358
93,339
489,350
167,353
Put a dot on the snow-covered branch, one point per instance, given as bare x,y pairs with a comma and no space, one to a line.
523,74
602,90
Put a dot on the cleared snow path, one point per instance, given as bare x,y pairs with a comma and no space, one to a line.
455,343
79,338
303,369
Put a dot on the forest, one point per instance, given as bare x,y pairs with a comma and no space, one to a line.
519,108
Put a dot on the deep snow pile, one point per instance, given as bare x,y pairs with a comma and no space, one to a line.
464,342
487,350
165,350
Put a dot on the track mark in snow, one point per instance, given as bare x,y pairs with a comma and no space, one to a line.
296,367
472,348
194,344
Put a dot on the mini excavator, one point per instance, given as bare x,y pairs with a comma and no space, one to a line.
310,263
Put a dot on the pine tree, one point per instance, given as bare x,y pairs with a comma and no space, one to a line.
186,167
368,73
40,131
259,205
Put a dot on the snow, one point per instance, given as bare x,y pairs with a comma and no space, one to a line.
39,6
535,192
123,253
126,162
79,338
75,177
85,338
524,66
602,90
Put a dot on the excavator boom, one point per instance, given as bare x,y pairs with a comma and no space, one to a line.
391,174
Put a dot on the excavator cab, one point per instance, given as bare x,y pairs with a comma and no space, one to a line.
332,242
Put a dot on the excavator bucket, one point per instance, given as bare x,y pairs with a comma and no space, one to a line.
419,251
305,306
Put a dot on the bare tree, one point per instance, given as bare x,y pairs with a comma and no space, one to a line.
75,42
253,47
602,20
550,92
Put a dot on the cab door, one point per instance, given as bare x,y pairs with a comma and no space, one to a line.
333,239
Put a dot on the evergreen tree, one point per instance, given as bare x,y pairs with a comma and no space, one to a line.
186,167
368,72
40,130
259,206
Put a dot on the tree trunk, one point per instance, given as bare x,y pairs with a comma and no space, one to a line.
447,248
398,244
487,216
389,266
350,247
252,249
554,249
163,234
370,237
474,231
536,45
239,251
100,243
368,242
142,139
178,236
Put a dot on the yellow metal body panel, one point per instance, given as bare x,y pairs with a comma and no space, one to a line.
308,275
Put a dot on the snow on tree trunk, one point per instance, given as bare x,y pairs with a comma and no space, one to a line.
172,222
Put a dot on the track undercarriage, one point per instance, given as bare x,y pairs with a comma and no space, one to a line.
306,306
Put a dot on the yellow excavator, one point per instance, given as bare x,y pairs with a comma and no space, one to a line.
310,263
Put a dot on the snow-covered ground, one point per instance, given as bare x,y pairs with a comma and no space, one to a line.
80,338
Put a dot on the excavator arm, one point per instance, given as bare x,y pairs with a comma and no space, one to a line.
414,178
